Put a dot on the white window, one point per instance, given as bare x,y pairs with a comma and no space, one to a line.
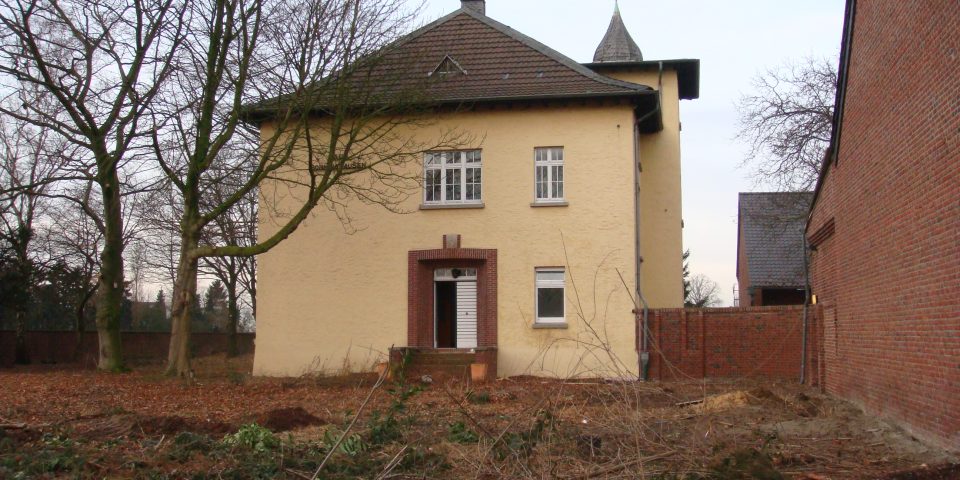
548,165
452,177
550,298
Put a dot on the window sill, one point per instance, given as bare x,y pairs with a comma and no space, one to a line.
449,206
550,326
551,203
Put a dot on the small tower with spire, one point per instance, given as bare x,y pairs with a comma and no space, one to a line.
617,45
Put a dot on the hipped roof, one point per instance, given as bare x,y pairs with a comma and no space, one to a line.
496,63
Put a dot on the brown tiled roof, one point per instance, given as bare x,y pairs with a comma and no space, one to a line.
499,63
494,63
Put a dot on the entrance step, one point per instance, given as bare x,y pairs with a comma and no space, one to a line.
439,364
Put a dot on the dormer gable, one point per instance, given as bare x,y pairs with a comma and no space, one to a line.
447,67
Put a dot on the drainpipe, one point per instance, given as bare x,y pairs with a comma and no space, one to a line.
645,329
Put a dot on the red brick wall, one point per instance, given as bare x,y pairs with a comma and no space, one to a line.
752,342
61,347
890,273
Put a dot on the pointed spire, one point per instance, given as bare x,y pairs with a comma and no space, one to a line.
617,45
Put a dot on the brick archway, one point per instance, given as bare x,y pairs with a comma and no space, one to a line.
420,267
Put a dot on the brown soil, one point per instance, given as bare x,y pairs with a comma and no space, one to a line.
290,418
527,427
941,472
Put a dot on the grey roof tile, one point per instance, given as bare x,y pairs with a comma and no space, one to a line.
771,230
617,45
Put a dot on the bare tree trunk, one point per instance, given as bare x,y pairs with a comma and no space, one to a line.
110,287
81,329
184,297
233,314
21,354
81,319
25,278
252,287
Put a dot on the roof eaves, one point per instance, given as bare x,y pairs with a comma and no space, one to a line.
688,72
833,150
561,96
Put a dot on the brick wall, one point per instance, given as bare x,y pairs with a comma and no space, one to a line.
61,347
745,342
889,274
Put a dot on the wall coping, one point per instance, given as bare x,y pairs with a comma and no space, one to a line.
770,308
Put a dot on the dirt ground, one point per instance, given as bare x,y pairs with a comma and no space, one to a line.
62,422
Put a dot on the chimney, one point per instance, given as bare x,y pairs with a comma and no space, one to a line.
478,6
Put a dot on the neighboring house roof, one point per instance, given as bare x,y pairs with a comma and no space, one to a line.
496,63
771,227
617,45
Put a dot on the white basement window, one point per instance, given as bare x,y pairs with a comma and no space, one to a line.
452,178
548,174
550,296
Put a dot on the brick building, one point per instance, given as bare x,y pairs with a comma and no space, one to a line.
885,221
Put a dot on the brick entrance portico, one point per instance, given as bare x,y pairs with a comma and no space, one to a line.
420,297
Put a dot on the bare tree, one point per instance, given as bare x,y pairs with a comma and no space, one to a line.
703,292
29,158
101,63
137,262
74,238
237,226
787,123
338,127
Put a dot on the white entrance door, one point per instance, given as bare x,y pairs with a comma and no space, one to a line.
467,314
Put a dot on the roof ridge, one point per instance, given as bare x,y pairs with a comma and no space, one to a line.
776,193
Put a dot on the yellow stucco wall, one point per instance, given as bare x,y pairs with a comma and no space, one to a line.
329,301
661,235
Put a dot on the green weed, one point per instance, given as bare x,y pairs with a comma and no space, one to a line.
252,437
478,398
459,433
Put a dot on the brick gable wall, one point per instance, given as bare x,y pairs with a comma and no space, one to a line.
889,275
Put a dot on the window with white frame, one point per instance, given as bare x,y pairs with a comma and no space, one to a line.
550,298
548,165
452,177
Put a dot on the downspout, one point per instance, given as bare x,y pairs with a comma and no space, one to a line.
645,329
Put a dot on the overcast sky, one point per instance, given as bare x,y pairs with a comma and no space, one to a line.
734,41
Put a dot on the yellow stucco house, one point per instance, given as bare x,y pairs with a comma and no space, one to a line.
527,251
